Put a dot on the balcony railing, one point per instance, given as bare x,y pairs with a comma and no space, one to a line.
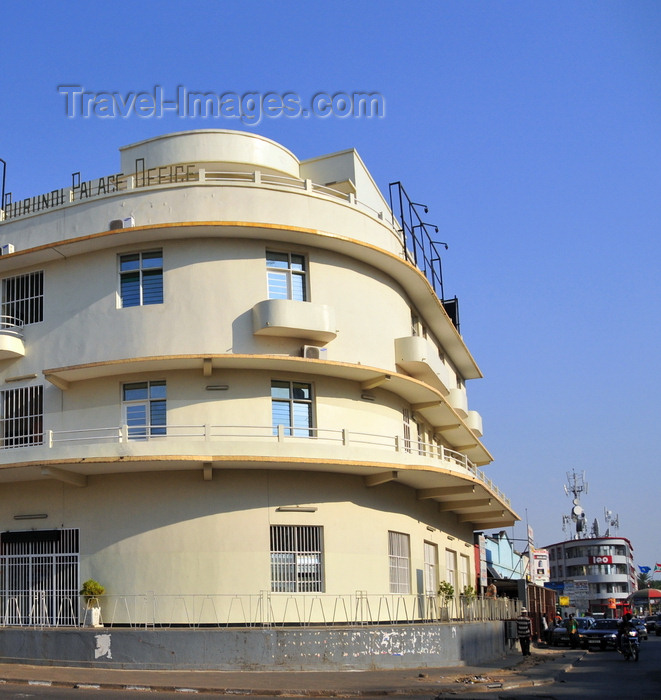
264,609
250,434
11,326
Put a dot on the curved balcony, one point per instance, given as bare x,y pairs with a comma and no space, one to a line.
288,318
11,338
434,471
419,357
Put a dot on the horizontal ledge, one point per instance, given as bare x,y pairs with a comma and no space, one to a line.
411,390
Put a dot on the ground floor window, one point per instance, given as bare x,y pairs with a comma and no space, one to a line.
39,578
296,559
399,553
431,569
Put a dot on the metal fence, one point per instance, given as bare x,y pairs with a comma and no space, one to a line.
265,609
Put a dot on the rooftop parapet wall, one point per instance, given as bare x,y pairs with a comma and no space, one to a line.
233,149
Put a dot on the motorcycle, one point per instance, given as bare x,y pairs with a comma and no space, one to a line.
630,645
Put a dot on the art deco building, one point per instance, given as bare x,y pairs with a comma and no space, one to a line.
225,372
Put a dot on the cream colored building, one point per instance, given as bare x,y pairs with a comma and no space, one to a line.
226,373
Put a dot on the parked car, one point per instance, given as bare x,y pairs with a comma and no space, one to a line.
657,626
641,627
602,634
560,634
650,623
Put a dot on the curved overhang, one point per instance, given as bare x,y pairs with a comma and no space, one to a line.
471,499
403,272
425,399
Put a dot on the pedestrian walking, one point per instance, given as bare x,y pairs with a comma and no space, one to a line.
572,628
524,631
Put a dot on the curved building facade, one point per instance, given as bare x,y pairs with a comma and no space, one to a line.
225,372
599,570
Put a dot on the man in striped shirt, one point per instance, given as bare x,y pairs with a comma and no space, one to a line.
524,631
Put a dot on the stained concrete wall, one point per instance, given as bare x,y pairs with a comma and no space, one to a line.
286,649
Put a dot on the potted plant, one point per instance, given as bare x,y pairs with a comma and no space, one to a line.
90,591
446,594
445,591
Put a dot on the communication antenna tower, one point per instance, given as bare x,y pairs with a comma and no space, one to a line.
612,521
577,486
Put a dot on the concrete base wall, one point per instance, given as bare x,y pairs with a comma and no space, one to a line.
286,649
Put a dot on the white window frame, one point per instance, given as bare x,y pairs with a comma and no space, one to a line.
431,568
23,298
138,414
399,559
297,558
294,405
451,568
287,282
142,270
464,572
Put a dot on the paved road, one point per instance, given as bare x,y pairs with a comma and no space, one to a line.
603,674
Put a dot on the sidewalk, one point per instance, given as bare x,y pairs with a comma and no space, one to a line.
513,671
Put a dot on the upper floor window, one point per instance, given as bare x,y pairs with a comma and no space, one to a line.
291,406
23,297
286,275
141,278
22,416
144,409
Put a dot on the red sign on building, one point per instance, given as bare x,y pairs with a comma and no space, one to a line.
605,559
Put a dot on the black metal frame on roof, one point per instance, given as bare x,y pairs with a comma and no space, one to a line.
419,246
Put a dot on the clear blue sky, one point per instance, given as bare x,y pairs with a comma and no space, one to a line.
531,129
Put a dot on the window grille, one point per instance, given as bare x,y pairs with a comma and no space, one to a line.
296,559
291,404
145,409
22,417
39,577
286,276
399,552
23,297
141,278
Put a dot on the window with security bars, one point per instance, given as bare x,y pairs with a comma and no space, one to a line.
145,409
141,278
23,297
296,559
291,407
399,552
39,577
286,276
22,416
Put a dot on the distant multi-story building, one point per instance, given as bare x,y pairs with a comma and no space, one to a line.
601,566
596,573
224,372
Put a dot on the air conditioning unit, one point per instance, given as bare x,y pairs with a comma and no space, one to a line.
115,224
312,352
6,249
